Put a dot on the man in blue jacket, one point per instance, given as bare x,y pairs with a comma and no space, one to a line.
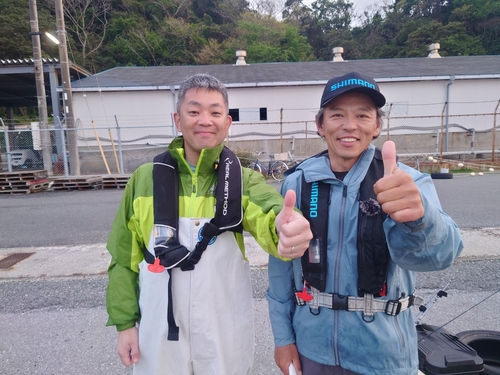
344,308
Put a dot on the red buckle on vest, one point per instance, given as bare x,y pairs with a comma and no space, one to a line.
156,267
383,291
303,295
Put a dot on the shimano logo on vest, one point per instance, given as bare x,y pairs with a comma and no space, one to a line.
350,82
314,200
226,187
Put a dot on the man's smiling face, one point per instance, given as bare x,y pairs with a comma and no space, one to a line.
349,125
203,121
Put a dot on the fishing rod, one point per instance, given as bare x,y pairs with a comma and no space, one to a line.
424,309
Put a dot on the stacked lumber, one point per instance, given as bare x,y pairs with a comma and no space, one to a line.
76,183
115,181
23,182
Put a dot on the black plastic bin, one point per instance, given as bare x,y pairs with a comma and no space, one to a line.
440,352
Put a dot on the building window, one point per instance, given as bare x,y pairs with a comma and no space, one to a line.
235,114
248,114
263,114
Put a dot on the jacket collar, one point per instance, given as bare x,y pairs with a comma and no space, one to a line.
208,157
318,169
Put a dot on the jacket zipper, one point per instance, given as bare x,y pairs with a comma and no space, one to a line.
337,274
396,323
192,200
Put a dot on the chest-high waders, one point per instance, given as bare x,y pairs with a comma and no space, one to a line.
373,253
169,253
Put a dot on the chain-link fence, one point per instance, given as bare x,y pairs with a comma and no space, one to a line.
121,149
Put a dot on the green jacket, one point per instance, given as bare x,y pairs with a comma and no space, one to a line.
134,220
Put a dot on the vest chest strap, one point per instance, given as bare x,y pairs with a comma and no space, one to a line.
367,304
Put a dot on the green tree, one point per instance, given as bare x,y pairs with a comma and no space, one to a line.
481,19
15,40
452,38
324,20
266,40
171,42
329,15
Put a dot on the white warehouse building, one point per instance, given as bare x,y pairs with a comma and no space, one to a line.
270,100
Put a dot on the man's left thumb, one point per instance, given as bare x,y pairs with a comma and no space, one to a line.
288,204
389,158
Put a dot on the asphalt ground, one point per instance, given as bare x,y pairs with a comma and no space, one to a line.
52,304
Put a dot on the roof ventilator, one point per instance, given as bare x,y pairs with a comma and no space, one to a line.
433,51
337,54
240,54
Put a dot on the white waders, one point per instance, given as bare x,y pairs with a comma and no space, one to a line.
212,306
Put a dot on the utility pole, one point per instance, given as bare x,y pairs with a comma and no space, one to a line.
40,89
74,159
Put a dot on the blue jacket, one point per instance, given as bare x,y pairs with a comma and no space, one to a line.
388,345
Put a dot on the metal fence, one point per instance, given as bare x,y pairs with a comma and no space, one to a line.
121,149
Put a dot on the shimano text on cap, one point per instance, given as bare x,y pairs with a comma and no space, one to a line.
352,82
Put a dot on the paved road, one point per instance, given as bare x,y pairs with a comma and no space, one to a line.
55,325
85,217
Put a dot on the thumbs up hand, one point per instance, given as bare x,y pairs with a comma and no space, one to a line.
396,191
293,229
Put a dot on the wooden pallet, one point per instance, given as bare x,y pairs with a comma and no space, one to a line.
33,188
76,183
23,182
117,181
22,175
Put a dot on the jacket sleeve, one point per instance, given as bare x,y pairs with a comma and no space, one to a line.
281,292
125,246
261,204
432,242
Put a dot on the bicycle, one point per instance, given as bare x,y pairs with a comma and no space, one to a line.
291,160
275,169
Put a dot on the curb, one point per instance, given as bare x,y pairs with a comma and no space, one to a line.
81,260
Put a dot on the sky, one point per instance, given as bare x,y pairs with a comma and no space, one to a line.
359,5
362,4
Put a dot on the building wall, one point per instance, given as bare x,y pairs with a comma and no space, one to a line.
417,106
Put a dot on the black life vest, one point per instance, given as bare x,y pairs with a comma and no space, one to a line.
373,253
169,253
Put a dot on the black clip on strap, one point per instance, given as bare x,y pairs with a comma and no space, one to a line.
208,231
393,307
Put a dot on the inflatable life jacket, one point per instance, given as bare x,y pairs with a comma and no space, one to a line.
373,253
169,253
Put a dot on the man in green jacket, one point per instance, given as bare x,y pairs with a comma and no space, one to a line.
212,303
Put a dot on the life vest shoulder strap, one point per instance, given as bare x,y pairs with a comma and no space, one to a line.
373,253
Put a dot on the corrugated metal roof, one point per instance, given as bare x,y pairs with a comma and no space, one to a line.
315,72
29,61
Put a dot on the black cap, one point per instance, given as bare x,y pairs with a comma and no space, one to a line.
352,82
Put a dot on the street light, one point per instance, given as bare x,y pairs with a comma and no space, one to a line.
52,37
